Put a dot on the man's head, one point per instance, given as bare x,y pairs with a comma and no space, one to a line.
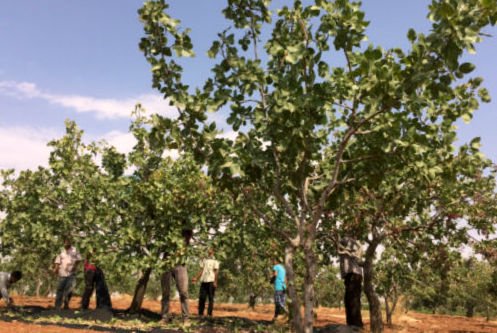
67,243
211,251
15,276
187,235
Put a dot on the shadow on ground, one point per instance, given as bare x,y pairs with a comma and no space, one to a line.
95,320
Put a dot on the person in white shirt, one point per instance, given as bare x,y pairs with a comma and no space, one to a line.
6,280
208,282
65,266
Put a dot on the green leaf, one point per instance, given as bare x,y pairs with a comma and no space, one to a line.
467,117
484,95
466,67
411,35
476,143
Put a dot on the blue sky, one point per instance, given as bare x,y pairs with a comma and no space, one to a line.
80,60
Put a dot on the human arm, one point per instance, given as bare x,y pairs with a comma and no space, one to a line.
199,274
273,276
77,261
216,271
56,265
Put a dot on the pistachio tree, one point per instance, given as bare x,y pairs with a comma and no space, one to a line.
300,98
128,221
470,281
159,206
42,206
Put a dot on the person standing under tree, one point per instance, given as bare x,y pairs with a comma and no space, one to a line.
180,275
95,280
208,282
6,280
279,281
351,271
65,266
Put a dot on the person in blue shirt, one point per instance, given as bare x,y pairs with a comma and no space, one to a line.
279,280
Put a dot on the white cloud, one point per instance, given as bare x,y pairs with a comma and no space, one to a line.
25,148
103,108
231,135
122,141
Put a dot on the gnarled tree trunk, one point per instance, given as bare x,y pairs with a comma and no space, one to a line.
252,301
309,292
296,316
140,289
376,322
390,307
39,284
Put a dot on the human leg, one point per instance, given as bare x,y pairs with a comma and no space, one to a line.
70,281
89,287
355,300
181,278
202,297
59,294
166,290
102,291
210,294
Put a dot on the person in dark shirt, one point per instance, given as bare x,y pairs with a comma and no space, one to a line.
95,280
350,254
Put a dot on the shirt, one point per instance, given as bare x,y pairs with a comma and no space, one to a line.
279,281
4,285
209,266
66,261
89,267
350,256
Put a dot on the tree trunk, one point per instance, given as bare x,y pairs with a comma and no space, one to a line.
406,304
294,306
309,293
39,283
390,308
470,309
140,289
388,312
376,322
252,301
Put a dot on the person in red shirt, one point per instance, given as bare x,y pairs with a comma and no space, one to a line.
95,279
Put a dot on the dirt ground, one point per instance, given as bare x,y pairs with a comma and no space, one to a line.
329,320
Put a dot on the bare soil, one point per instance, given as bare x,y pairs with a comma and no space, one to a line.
36,314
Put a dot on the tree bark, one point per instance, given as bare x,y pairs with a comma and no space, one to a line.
309,292
252,301
294,306
470,309
140,289
388,312
39,283
390,308
376,322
